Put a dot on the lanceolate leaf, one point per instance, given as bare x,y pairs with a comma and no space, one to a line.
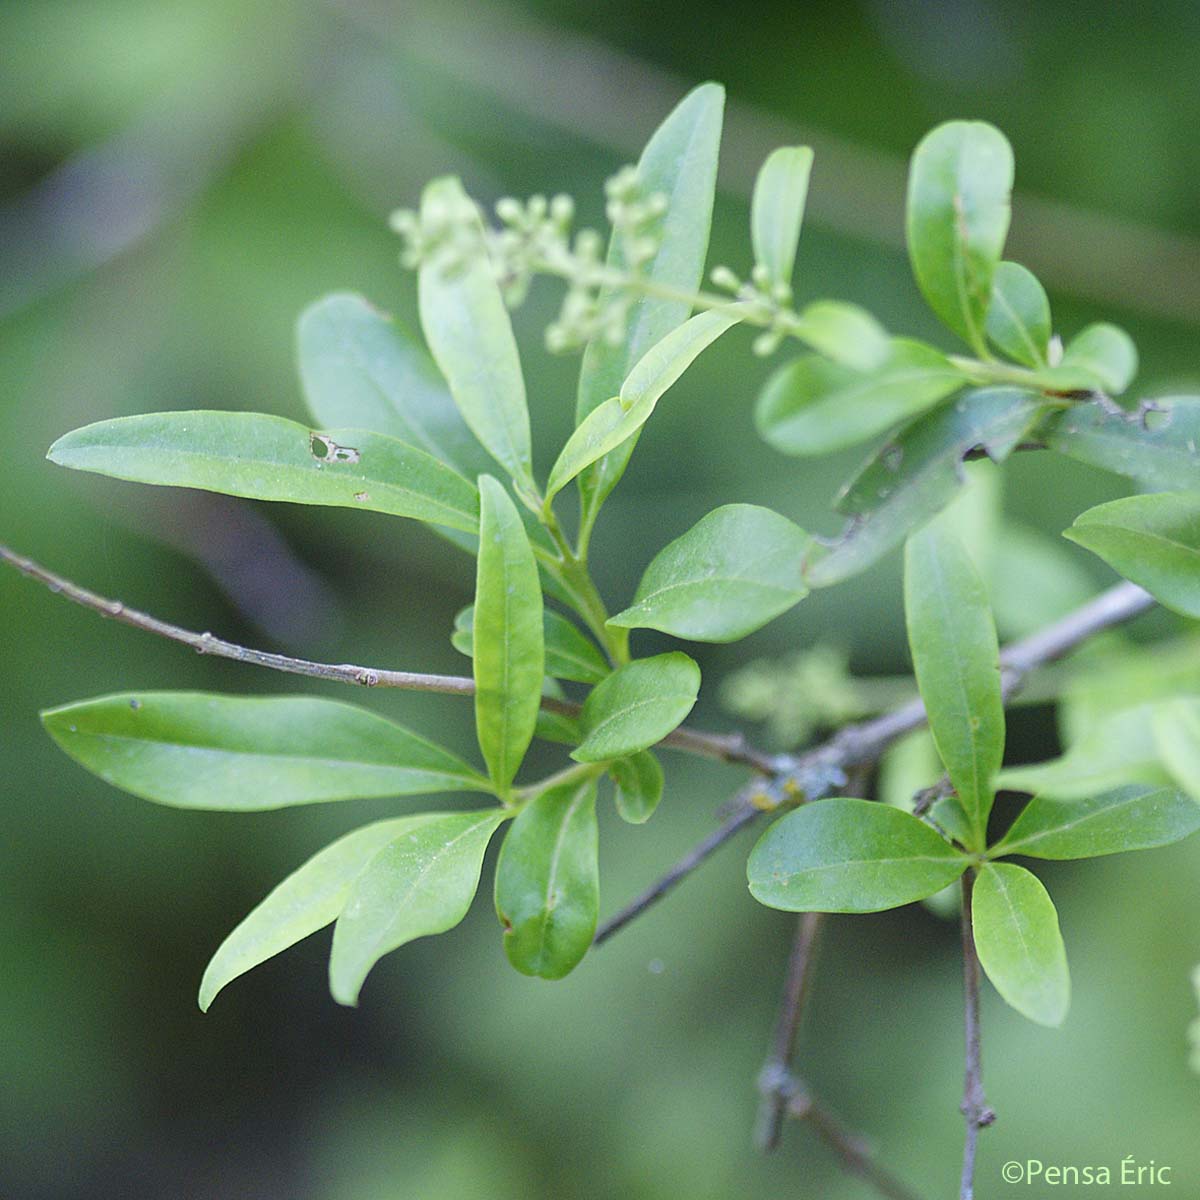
547,881
918,473
570,653
1153,540
1019,943
1117,750
468,330
307,900
959,184
957,662
1160,446
849,856
360,370
777,210
613,422
813,406
269,458
639,786
738,568
422,882
1018,320
1135,817
1176,724
637,705
192,750
509,650
679,162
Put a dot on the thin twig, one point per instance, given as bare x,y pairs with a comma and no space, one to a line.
975,1109
854,1151
821,770
731,748
776,1070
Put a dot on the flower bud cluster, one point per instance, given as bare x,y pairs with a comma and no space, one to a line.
771,301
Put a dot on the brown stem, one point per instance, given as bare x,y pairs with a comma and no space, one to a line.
819,771
850,1147
731,748
975,1108
775,1075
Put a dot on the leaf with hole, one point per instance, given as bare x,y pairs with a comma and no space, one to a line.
360,369
637,706
422,882
269,458
917,473
680,163
547,881
310,898
1019,943
813,406
731,573
469,333
241,754
1159,445
845,855
509,658
959,184
1153,540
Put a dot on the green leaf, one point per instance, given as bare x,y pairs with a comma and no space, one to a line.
470,335
777,211
959,185
637,706
812,406
547,881
731,573
1176,725
1018,319
917,473
556,726
679,162
1019,943
422,882
639,786
1101,357
1116,750
845,333
570,654
849,856
957,663
1135,817
615,421
1153,540
310,898
509,656
236,754
360,370
1160,446
1034,579
269,458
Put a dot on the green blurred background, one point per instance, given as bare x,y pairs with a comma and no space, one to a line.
178,179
